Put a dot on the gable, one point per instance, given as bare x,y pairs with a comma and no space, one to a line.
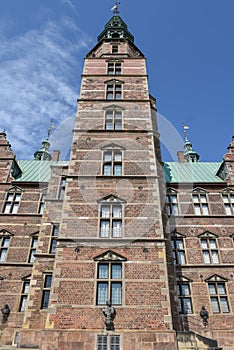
110,255
111,199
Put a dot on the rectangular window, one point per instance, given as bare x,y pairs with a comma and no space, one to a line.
112,163
46,291
4,245
42,203
109,283
228,200
200,204
111,221
111,342
210,251
178,250
12,203
114,68
115,49
114,91
62,188
33,249
113,120
172,204
185,298
24,295
218,297
53,241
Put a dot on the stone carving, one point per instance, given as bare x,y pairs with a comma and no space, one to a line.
204,315
110,313
5,313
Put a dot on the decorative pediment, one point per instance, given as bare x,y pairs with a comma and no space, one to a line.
113,146
216,278
34,234
111,199
199,190
182,279
110,255
5,233
227,190
176,234
15,189
27,277
113,107
171,190
207,234
114,81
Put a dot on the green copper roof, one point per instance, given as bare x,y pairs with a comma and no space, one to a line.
188,172
36,171
116,29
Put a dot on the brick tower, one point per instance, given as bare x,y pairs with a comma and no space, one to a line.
104,210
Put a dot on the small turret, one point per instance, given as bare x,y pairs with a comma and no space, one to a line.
189,154
43,153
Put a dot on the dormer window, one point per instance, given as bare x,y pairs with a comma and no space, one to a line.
12,203
115,49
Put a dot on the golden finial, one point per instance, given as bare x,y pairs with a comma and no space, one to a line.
50,128
185,127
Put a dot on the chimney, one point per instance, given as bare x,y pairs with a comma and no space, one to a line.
55,156
180,156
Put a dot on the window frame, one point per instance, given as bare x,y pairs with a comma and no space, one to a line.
111,219
229,203
104,342
113,118
24,295
200,207
12,204
114,68
109,282
33,248
177,251
112,163
172,206
5,241
41,206
114,91
53,240
208,251
62,187
46,291
115,49
182,297
218,296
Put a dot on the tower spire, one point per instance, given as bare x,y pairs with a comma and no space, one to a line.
43,153
189,154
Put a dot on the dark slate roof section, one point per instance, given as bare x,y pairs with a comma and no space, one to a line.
36,171
188,172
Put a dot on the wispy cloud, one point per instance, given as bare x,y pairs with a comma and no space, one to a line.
69,3
40,74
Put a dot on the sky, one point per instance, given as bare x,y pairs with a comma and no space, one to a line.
190,61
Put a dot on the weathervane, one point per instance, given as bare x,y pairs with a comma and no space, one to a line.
50,128
185,127
115,8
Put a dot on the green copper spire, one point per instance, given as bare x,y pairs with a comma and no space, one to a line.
116,29
189,154
43,153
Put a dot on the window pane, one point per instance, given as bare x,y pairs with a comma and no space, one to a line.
107,157
23,302
53,246
181,258
212,289
203,198
117,169
109,126
103,271
205,209
118,157
7,208
105,229
224,304
212,244
175,210
102,293
48,281
117,212
185,289
206,257
215,305
197,209
118,125
107,169
215,257
34,242
45,299
195,199
225,198
6,242
116,271
179,244
115,342
228,209
102,342
117,229
15,207
232,198
26,287
204,244
221,289
173,198
10,197
105,212
32,253
187,306
116,293
3,255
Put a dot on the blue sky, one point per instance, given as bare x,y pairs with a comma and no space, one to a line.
190,59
